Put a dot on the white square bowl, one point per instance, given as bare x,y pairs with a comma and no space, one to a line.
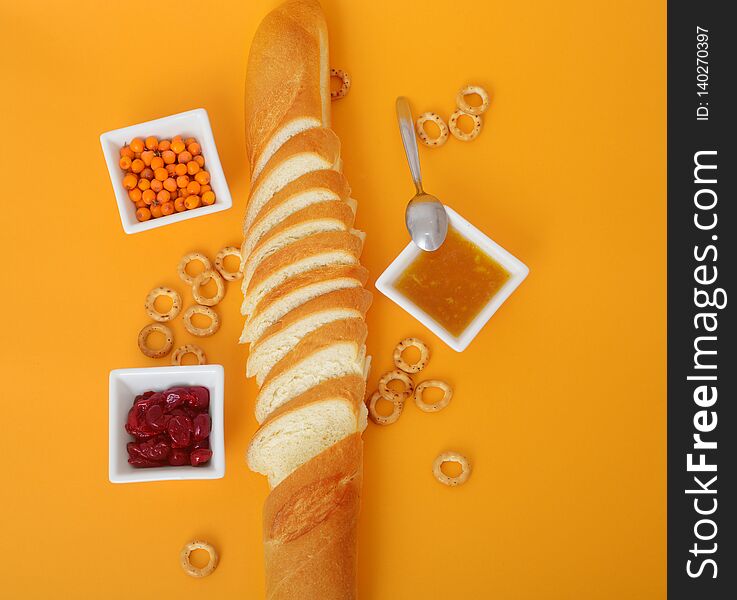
193,123
126,384
516,268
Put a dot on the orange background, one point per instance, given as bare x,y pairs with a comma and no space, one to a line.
560,402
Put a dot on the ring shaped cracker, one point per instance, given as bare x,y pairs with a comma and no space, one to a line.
143,340
422,133
346,79
462,135
451,457
466,107
176,304
189,568
203,278
384,419
176,358
435,406
202,310
220,263
188,258
403,364
391,395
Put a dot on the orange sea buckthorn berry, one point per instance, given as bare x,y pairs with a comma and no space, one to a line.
182,181
157,185
137,145
140,204
134,194
167,208
193,188
208,198
148,196
171,169
126,151
155,211
144,184
203,177
164,145
176,138
189,140
143,214
137,165
163,196
204,188
192,201
192,167
182,192
147,156
169,157
157,162
161,173
184,157
152,142
194,148
179,205
177,145
180,169
125,162
170,184
200,160
147,173
130,181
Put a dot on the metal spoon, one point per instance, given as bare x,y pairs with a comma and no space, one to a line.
426,219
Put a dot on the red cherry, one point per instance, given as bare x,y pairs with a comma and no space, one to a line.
153,450
180,431
178,457
201,427
155,418
142,463
199,457
203,444
200,397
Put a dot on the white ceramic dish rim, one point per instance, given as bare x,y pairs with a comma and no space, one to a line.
518,271
211,376
195,123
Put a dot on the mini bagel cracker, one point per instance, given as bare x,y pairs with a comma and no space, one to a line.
435,406
189,568
384,419
188,258
466,107
203,310
143,340
203,278
220,263
391,395
403,364
422,133
344,88
176,304
451,457
462,135
176,357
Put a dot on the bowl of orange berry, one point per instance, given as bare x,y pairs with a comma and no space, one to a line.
166,170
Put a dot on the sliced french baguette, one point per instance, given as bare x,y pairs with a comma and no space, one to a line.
287,80
306,426
286,333
333,350
311,188
311,150
310,253
334,215
309,527
297,291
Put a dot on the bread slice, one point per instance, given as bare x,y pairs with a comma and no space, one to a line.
306,426
287,80
334,215
311,150
308,254
333,350
297,291
284,335
309,527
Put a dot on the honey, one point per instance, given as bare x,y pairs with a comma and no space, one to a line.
453,283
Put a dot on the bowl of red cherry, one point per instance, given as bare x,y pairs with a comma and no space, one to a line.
166,423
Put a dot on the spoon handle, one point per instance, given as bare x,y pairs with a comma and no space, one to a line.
407,130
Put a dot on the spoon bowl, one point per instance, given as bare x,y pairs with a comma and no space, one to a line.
425,216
